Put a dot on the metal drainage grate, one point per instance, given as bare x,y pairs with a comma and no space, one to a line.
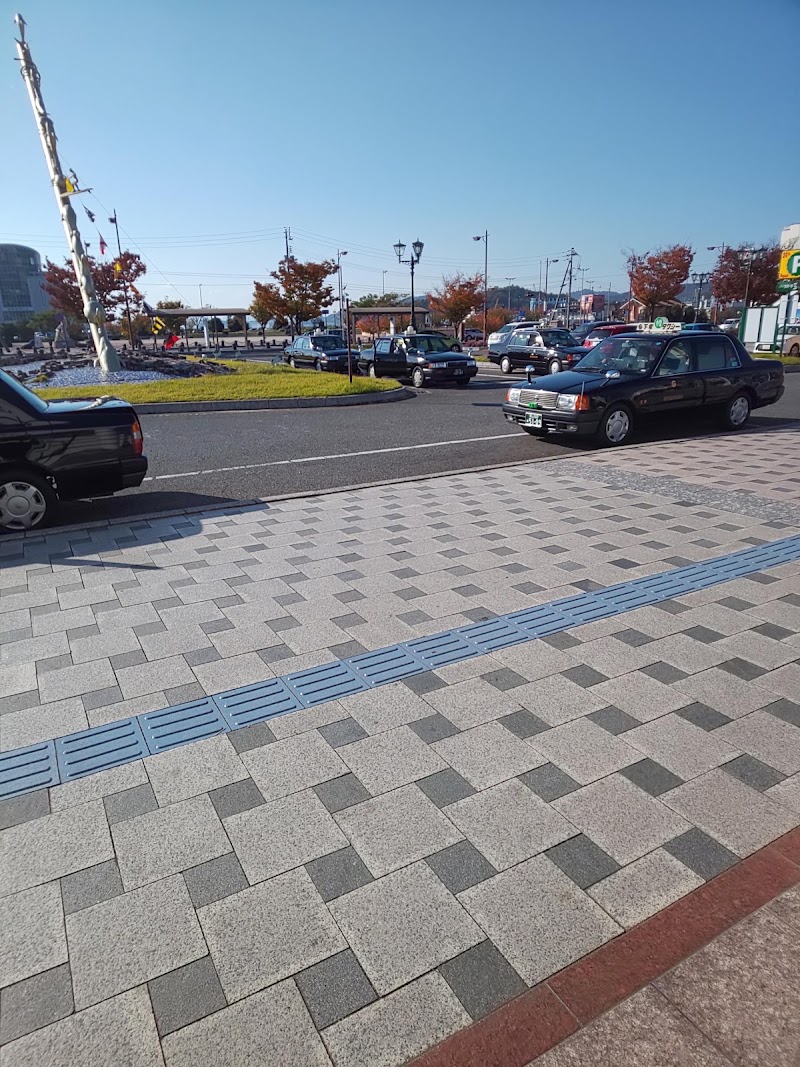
385,665
493,634
329,682
441,649
583,608
255,703
26,769
100,748
179,725
539,621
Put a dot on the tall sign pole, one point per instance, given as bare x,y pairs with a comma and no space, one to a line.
125,284
92,308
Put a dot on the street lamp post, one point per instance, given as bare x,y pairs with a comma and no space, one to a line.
341,294
485,238
547,263
509,280
413,259
383,282
721,249
700,279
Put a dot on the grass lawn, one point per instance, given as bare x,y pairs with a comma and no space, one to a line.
787,361
252,381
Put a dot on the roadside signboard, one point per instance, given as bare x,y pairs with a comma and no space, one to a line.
790,264
785,286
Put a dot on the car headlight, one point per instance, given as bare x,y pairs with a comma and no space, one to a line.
471,363
513,395
567,401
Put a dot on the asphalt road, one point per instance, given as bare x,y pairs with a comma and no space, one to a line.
213,458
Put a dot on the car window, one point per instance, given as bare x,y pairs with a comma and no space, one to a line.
714,353
598,335
558,337
626,355
519,340
382,347
326,344
677,360
10,386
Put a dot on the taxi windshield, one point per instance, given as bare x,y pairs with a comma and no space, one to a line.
626,355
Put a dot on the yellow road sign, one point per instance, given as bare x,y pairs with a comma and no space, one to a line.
790,264
158,325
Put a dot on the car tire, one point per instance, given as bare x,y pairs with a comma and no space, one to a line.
27,499
456,348
794,351
616,427
317,365
417,378
554,366
371,371
462,384
736,412
506,366
292,363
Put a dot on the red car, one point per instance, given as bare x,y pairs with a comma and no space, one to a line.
602,332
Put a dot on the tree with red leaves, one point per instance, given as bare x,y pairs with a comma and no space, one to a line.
457,298
61,285
495,318
301,292
656,278
730,283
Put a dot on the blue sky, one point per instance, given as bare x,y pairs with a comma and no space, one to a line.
603,126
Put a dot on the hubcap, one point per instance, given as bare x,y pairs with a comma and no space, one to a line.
555,367
740,409
505,366
618,426
22,506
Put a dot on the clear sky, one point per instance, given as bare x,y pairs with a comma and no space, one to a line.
211,126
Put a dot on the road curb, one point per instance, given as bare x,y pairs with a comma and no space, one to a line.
291,402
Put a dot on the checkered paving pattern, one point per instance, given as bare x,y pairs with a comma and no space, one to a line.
352,882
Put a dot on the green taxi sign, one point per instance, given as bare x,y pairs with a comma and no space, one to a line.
660,322
786,286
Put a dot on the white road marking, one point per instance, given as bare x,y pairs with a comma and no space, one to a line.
324,459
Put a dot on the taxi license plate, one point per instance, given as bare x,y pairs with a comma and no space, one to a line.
533,418
458,372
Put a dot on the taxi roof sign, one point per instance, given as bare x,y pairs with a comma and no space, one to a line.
659,326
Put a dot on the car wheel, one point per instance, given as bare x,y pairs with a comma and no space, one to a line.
292,362
371,371
794,351
616,427
463,383
317,365
417,378
456,348
506,365
27,500
554,367
737,412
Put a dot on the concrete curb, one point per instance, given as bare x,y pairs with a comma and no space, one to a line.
354,399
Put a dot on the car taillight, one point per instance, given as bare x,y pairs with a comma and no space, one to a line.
137,438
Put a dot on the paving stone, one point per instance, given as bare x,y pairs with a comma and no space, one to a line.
338,873
101,698
90,886
424,683
343,732
742,819
335,988
769,629
613,720
123,1024
433,728
523,724
785,710
488,754
293,764
557,700
250,737
35,1002
340,793
564,925
766,737
129,803
17,810
508,823
651,777
269,1027
201,655
681,747
482,979
55,845
33,940
549,782
396,828
398,1027
585,751
237,797
620,818
403,925
644,887
639,695
664,672
582,861
503,679
634,638
460,866
445,787
391,759
127,940
701,853
72,681
188,770
704,717
753,772
472,702
215,879
185,995
561,641
742,668
268,932
584,676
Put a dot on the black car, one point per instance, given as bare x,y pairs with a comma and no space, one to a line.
62,450
423,358
547,350
322,351
629,377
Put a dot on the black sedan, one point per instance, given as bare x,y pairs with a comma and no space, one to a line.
424,358
630,377
548,351
322,351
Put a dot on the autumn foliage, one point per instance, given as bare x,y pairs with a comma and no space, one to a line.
657,278
61,285
300,293
457,298
495,318
729,281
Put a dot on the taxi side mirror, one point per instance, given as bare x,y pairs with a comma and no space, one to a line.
529,371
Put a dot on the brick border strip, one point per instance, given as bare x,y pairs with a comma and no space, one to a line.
341,400
535,1022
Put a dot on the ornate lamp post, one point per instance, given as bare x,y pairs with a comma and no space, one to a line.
413,259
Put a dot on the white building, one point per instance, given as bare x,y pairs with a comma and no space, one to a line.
21,278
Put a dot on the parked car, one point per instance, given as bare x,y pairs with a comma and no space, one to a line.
730,326
452,343
583,329
631,377
322,351
472,333
599,333
62,450
499,339
423,358
787,342
700,327
548,351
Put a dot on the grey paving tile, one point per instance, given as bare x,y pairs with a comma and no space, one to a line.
215,879
335,988
613,720
742,668
482,979
651,777
340,793
101,698
433,728
770,629
644,887
460,866
488,754
338,873
585,751
424,683
293,764
753,772
35,1002
127,659
391,759
127,940
201,655
413,912
701,853
185,995
504,679
343,732
32,922
237,797
268,932
703,716
680,746
561,641
523,723
445,787
785,710
17,810
189,770
582,860
664,672
129,803
549,782
584,676
634,638
250,737
91,886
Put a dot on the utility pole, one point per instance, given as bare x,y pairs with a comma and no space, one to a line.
546,275
509,280
125,283
700,280
287,236
92,308
572,253
721,249
341,293
349,350
485,238
383,283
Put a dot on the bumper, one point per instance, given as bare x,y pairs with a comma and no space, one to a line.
449,374
580,424
133,472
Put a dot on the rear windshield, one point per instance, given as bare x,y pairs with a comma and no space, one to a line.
558,337
626,355
327,344
598,334
10,385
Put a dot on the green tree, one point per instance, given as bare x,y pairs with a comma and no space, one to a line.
234,324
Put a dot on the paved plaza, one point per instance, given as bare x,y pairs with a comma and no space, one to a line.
353,882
